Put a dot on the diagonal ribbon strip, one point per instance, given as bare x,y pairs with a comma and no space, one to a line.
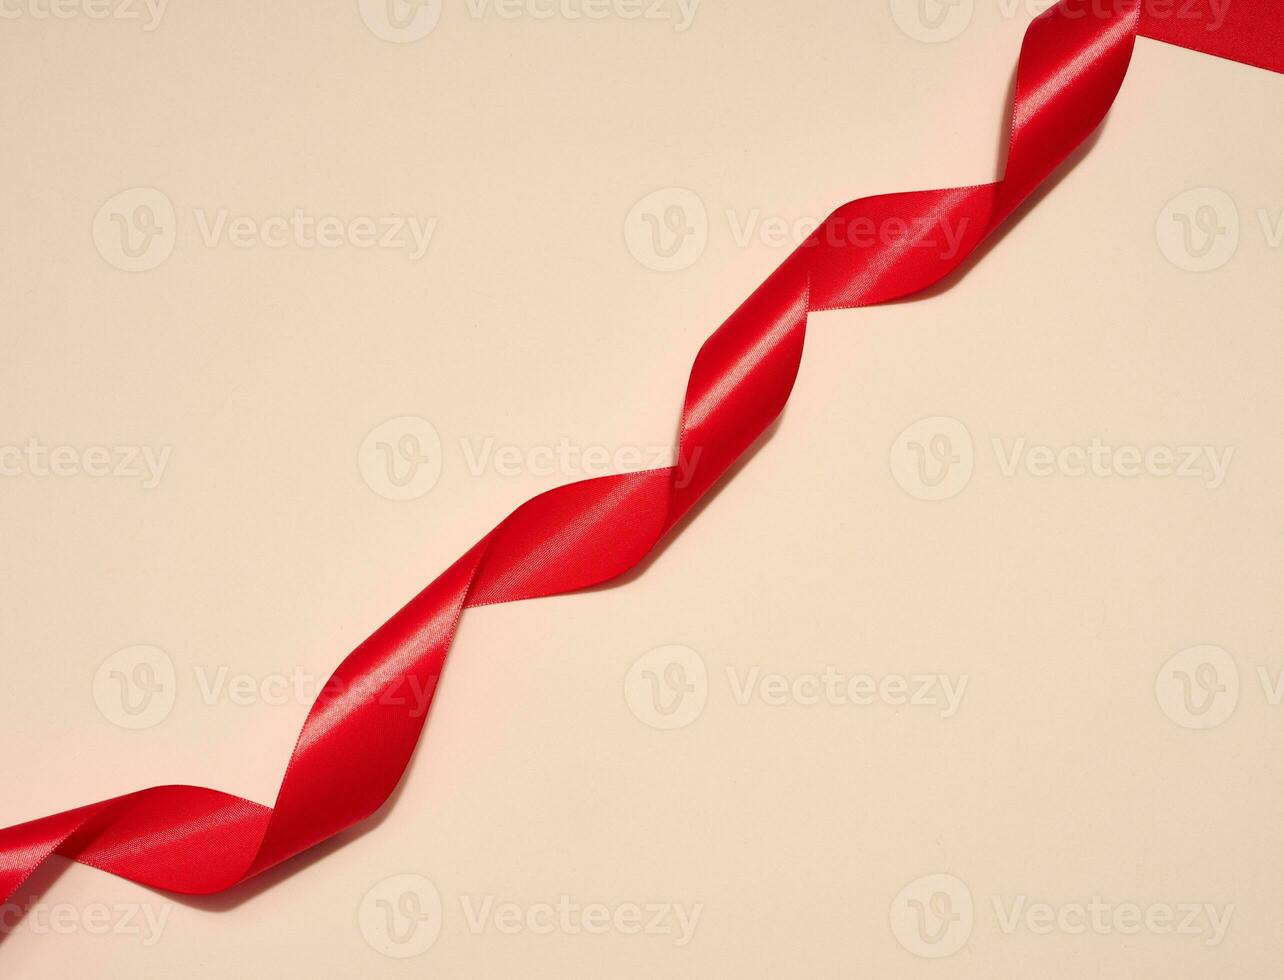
359,734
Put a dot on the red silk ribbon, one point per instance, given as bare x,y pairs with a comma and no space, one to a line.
360,732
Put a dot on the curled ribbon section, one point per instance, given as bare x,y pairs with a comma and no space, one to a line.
359,734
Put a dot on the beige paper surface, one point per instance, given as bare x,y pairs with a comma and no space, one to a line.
980,654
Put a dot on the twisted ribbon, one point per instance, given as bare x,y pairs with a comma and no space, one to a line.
359,733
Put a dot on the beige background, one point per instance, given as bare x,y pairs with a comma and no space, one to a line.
792,828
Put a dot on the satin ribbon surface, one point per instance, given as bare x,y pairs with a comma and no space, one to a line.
360,732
